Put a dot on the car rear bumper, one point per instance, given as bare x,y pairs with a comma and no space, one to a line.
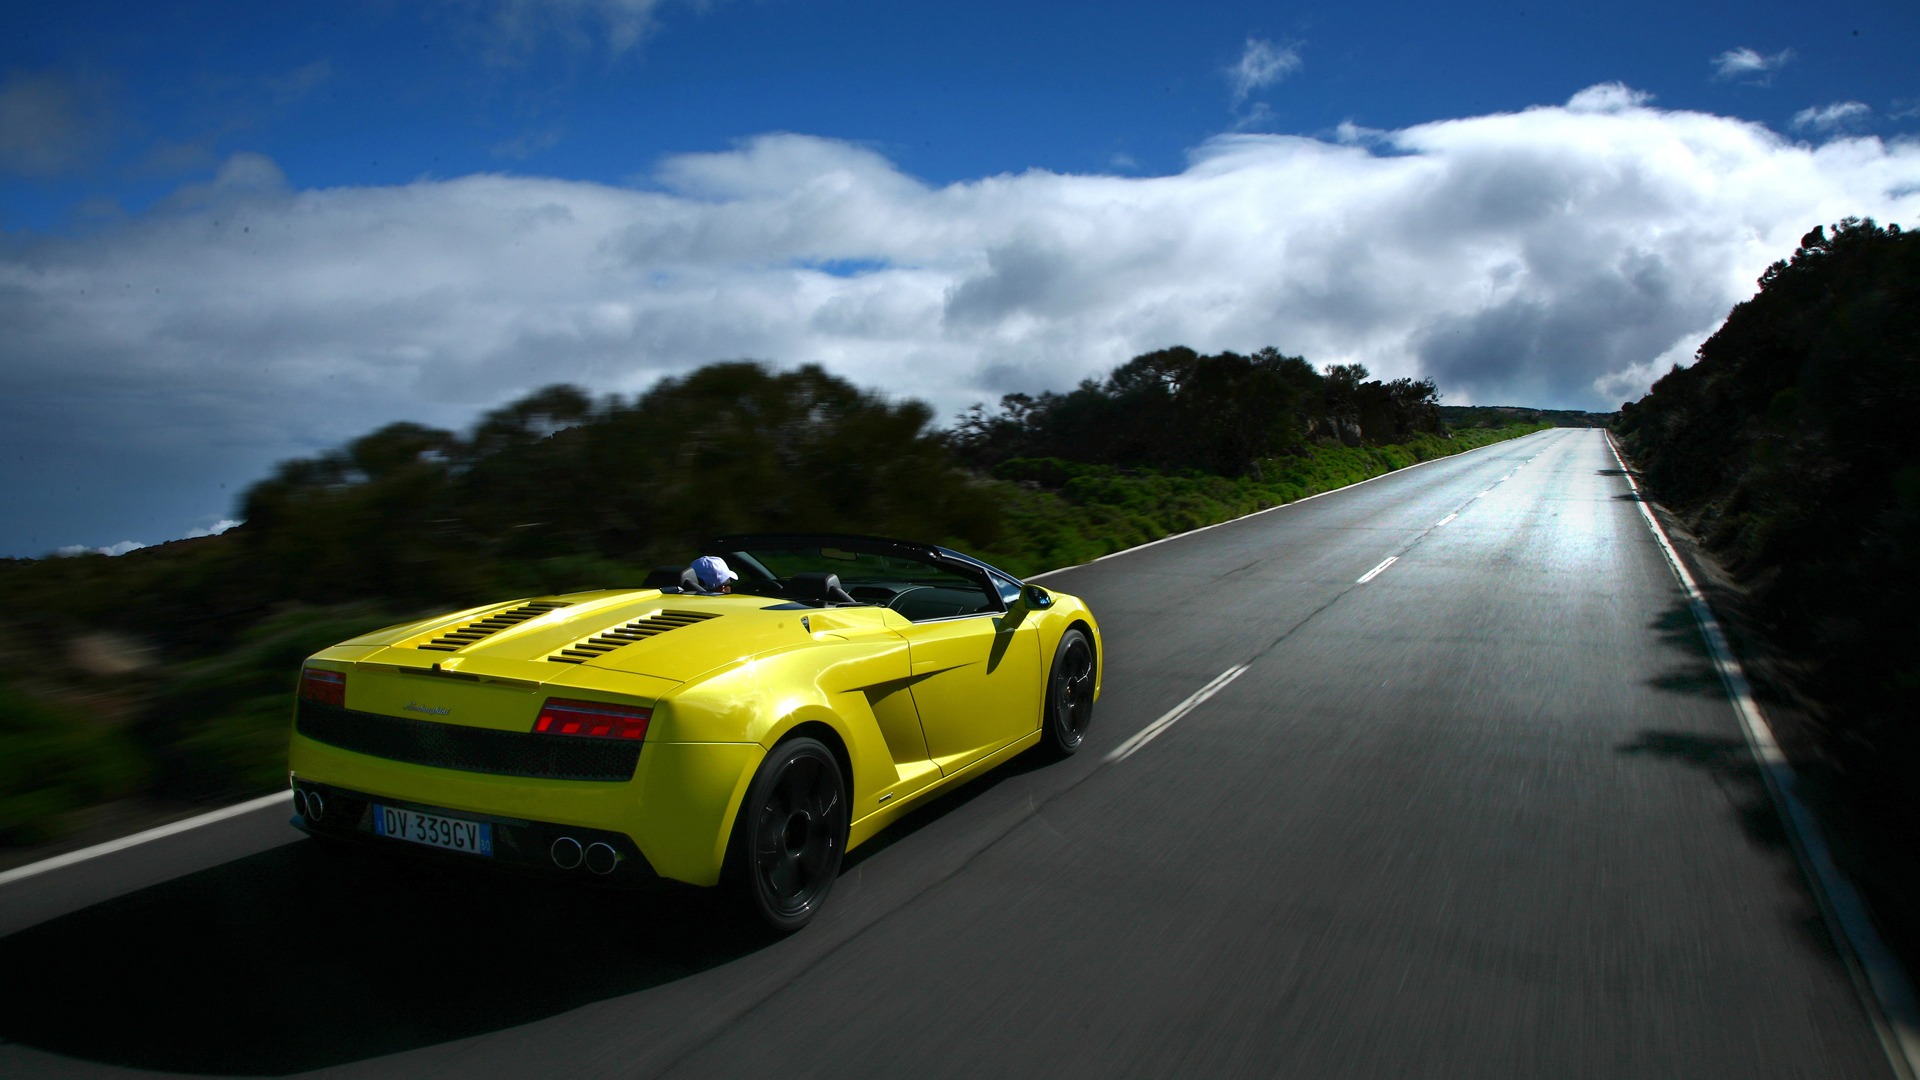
541,847
673,814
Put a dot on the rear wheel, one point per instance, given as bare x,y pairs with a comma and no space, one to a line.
1069,696
791,834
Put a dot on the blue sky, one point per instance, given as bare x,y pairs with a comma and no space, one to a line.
235,233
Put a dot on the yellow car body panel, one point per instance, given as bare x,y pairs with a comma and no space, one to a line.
914,708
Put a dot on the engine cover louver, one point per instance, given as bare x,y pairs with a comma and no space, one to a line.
455,640
626,634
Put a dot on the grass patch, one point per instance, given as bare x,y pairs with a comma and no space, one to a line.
1061,513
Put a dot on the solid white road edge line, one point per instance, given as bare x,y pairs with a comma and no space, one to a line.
1281,506
1883,986
126,842
1147,734
1375,572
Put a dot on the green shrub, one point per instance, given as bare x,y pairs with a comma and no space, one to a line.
1058,513
53,762
218,726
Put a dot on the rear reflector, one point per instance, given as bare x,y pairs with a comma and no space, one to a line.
323,686
592,720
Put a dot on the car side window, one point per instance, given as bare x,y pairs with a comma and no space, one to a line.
1008,589
941,594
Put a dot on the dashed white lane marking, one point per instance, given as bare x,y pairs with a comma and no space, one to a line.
1269,510
1446,519
1883,985
1484,494
1152,731
1375,572
126,842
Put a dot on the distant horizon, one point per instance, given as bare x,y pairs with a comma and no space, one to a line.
225,525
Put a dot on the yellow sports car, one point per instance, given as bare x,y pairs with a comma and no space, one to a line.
743,722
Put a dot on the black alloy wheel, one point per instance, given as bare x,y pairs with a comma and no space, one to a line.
792,833
1069,696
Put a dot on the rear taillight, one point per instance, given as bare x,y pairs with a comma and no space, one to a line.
592,720
323,686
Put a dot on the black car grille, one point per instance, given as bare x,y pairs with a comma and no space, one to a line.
481,750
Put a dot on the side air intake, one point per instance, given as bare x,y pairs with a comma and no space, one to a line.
455,640
626,634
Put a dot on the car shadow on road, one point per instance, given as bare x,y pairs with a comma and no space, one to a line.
301,957
296,959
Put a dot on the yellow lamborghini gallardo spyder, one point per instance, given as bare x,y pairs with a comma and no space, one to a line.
745,739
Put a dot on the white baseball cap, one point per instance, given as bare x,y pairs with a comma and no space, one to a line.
713,572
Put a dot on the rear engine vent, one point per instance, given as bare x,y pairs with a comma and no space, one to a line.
455,640
605,642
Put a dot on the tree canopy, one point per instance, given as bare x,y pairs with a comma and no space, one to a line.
1178,409
1793,444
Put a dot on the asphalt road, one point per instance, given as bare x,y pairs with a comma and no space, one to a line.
1486,814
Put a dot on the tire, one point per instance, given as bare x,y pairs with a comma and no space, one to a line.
790,834
1069,707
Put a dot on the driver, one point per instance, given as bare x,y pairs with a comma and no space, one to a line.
713,574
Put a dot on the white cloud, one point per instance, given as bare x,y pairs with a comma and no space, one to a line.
1550,257
1349,133
1261,64
1840,116
1608,98
1748,65
75,550
214,529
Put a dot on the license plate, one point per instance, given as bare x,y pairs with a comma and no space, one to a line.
433,830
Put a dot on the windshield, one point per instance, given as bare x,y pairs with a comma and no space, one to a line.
896,577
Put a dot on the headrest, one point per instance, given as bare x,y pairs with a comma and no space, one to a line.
662,577
818,587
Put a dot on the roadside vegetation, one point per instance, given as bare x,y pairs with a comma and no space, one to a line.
167,673
1791,447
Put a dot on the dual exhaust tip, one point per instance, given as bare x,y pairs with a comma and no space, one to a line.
599,857
567,853
310,805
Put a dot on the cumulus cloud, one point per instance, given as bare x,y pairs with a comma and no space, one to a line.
1840,116
1348,133
1748,65
1552,257
1261,64
50,123
1609,97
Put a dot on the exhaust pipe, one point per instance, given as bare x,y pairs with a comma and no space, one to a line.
565,853
601,859
300,804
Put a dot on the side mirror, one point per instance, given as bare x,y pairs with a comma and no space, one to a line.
1036,597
